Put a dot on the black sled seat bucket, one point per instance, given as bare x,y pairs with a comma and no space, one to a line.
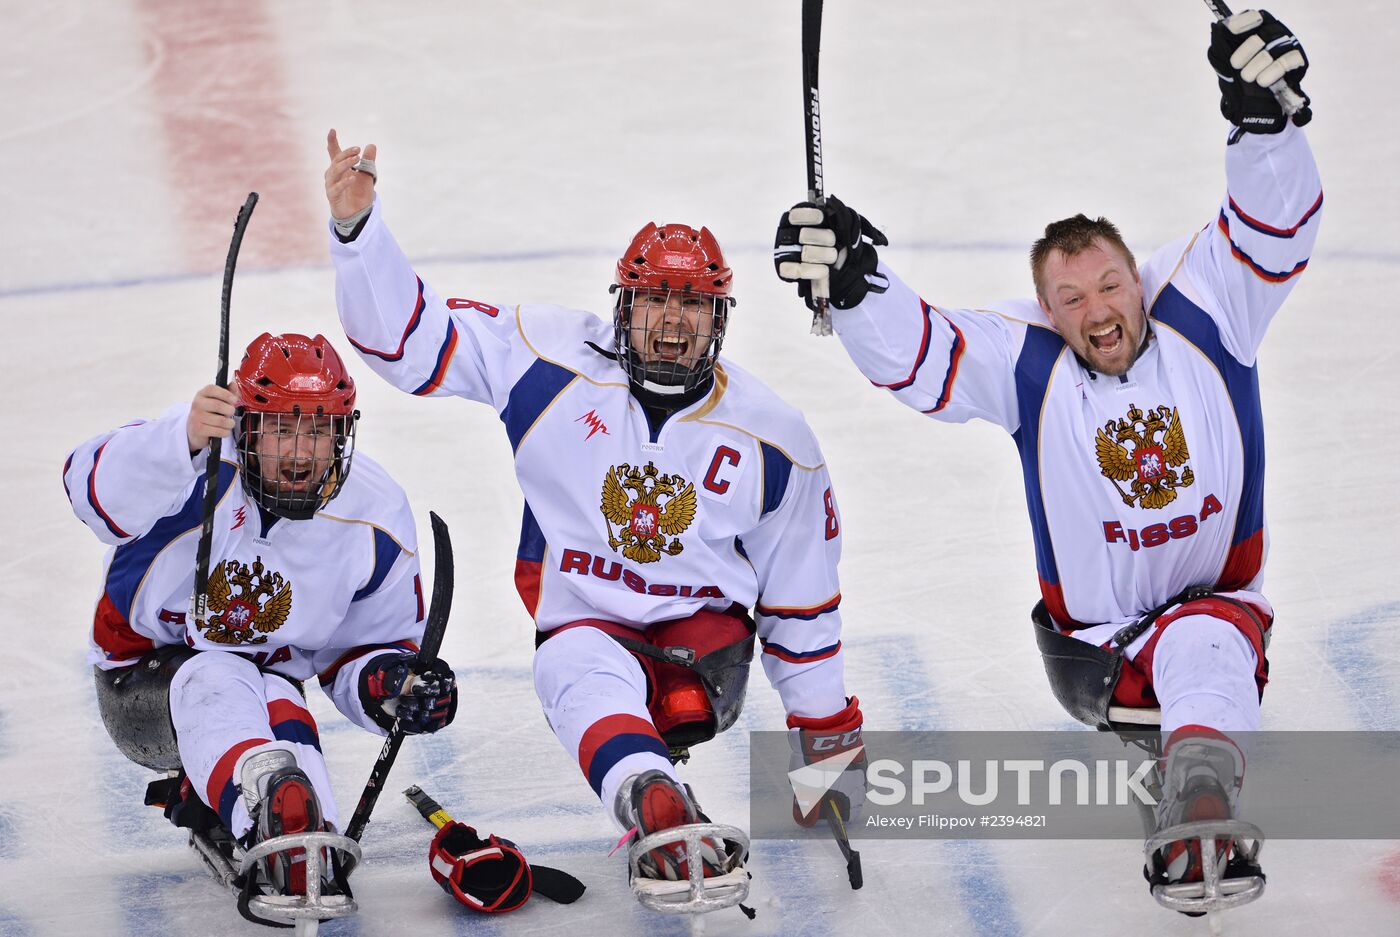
1082,676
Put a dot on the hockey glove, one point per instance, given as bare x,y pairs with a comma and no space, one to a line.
427,705
1251,51
181,804
829,242
484,874
820,790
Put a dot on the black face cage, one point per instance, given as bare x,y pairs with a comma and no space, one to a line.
294,483
660,379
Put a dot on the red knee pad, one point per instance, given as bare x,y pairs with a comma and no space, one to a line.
676,696
679,696
1134,687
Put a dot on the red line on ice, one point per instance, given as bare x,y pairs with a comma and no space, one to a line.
223,103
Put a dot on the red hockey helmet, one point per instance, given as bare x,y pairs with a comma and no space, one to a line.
292,373
670,265
297,435
675,257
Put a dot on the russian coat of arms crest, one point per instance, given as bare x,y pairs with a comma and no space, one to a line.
248,603
658,507
1144,451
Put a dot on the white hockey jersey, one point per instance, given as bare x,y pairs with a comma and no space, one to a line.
1142,485
299,597
728,502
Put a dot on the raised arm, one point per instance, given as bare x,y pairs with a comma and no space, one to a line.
950,364
1249,259
405,332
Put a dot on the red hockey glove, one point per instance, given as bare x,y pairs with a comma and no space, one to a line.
483,874
837,738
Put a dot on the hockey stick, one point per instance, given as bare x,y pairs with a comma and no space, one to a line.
211,467
812,111
438,610
838,830
1288,99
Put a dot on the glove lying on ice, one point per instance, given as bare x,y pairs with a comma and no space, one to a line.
491,874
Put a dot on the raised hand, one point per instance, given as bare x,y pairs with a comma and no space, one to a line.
1254,57
831,246
349,190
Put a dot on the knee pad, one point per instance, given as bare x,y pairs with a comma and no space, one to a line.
694,704
135,706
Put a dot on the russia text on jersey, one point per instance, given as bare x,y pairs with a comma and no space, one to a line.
586,564
1154,535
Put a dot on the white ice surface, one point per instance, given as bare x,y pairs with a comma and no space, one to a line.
521,145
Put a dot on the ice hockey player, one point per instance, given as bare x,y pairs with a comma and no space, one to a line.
1132,396
667,493
314,572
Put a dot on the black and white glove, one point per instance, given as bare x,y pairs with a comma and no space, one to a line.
1251,52
829,252
427,705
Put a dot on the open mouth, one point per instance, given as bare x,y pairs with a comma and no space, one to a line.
294,479
1107,339
670,349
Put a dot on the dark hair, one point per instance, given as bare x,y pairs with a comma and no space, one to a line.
1071,236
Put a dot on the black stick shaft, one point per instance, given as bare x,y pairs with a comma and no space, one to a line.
211,467
811,60
428,808
812,110
438,610
838,830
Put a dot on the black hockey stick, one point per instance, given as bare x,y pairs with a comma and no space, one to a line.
211,467
438,610
812,112
1288,99
838,830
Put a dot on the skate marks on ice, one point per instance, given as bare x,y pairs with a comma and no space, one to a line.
1361,649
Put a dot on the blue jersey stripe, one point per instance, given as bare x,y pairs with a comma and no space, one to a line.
132,560
776,470
1241,384
531,538
444,358
92,496
413,320
920,357
1270,230
386,551
531,396
1041,350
